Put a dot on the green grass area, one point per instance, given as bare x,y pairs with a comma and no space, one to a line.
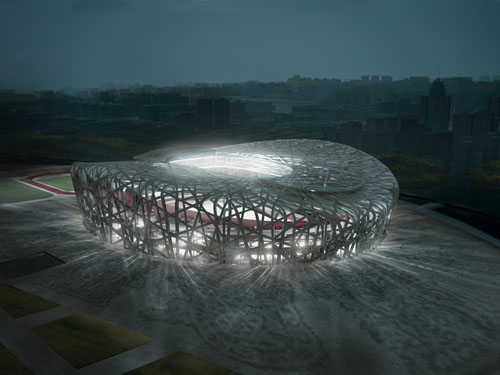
59,182
9,364
180,363
82,339
19,303
15,191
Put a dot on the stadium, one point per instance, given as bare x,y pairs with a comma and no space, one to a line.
269,202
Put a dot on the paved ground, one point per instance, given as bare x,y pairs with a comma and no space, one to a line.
426,302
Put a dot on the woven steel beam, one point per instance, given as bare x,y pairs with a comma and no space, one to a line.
269,202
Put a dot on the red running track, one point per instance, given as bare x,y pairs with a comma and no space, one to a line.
30,180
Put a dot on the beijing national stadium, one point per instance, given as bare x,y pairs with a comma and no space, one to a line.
271,202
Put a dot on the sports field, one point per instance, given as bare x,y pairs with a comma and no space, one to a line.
59,182
15,191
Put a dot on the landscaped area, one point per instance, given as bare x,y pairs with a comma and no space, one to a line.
15,191
59,182
82,339
19,303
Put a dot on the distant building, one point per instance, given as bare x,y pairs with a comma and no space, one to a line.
410,135
307,113
295,81
238,107
437,145
221,114
475,139
386,123
349,133
379,134
260,107
399,107
187,122
205,115
436,107
494,106
212,114
484,135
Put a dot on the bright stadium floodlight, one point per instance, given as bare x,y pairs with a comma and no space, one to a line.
271,202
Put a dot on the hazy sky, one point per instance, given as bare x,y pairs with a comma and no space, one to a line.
85,43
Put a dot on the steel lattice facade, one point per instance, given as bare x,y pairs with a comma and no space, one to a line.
267,202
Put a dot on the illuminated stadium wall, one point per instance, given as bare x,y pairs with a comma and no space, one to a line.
261,203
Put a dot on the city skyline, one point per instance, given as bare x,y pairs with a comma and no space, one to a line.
81,44
362,79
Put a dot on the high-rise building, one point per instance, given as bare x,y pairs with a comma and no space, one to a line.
485,135
436,107
475,138
205,115
221,114
494,106
409,137
187,121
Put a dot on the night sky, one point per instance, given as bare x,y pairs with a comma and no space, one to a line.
49,44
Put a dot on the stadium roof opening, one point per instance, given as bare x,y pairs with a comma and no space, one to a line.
245,166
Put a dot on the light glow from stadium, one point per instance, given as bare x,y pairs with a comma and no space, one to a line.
267,202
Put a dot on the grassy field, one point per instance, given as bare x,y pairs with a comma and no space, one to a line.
59,182
15,191
9,364
82,339
19,303
180,363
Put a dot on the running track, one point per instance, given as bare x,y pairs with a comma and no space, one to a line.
31,181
